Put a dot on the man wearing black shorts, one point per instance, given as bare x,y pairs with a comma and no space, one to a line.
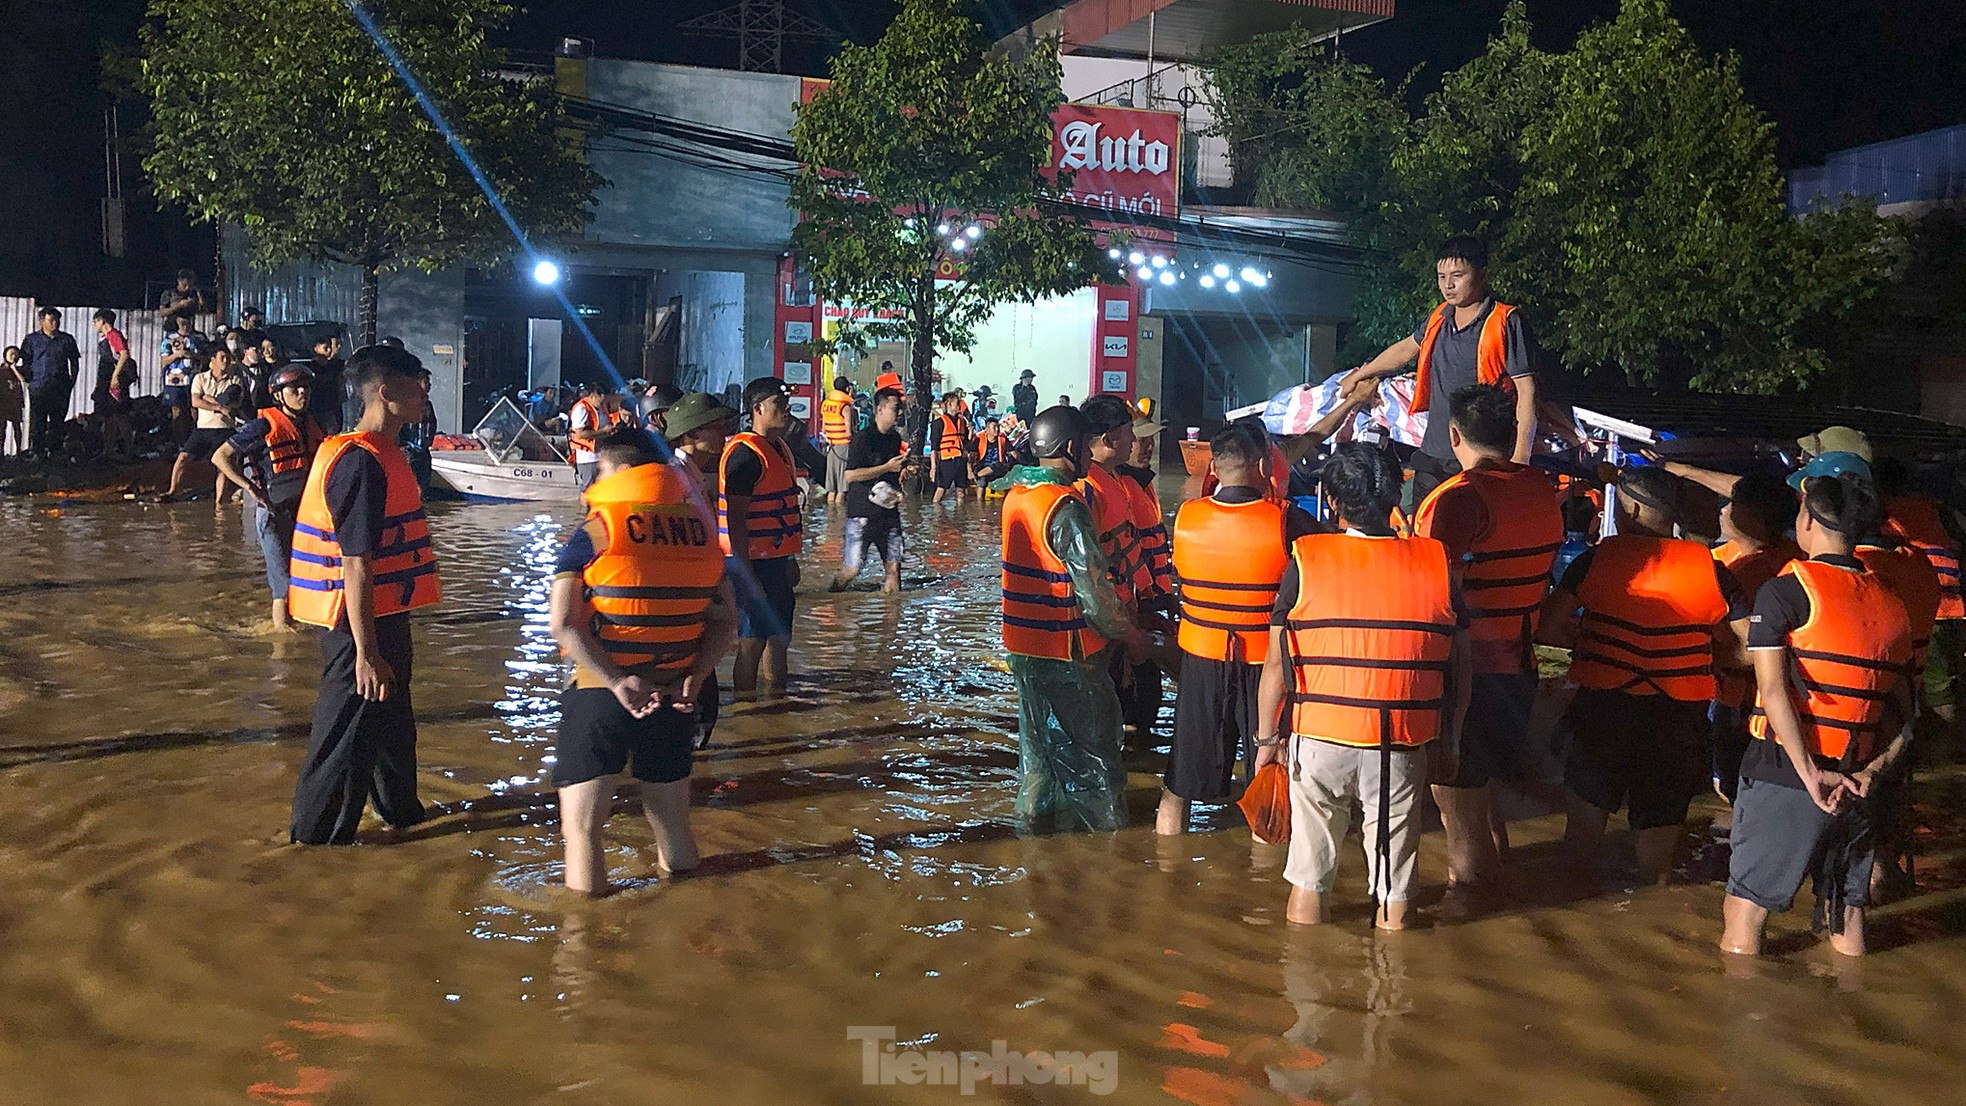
1653,610
1502,527
1230,552
874,459
641,606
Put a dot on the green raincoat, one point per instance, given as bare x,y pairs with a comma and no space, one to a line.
1068,735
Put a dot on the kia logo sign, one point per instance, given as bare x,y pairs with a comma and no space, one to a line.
1085,148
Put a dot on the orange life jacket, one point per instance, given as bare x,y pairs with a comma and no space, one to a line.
1491,358
834,425
776,524
1848,658
1914,519
1734,687
949,444
1106,497
402,565
888,380
290,447
1229,558
649,589
1650,605
1907,574
582,437
1153,562
1369,639
1041,615
1507,570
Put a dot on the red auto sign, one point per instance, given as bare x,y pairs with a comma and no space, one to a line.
1123,160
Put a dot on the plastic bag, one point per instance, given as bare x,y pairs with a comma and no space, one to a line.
1266,803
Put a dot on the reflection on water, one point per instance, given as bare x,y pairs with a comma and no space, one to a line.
860,872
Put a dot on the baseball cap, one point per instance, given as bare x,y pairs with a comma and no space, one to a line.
1833,463
1837,439
694,412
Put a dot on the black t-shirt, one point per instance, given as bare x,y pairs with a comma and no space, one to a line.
743,471
358,498
324,393
1779,609
870,448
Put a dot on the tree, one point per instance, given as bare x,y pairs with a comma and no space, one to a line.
287,119
918,139
1628,188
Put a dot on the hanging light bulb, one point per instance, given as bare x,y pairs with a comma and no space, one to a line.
1160,262
974,232
1136,257
1221,271
1208,280
1167,278
1233,286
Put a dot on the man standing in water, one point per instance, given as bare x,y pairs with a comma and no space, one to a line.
1059,615
1831,647
1469,339
640,606
873,496
279,445
763,530
361,564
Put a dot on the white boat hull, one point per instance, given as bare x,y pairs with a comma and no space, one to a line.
476,474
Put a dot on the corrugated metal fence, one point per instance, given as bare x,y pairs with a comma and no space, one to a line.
140,327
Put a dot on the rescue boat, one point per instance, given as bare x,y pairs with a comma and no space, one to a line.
505,458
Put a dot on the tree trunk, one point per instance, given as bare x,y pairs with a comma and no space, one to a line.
922,358
367,306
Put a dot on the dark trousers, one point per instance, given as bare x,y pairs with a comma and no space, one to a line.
360,751
44,427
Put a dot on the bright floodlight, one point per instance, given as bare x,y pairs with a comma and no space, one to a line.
1144,273
1234,286
1250,276
1136,257
1221,271
974,233
960,244
545,272
1167,278
1208,280
942,229
1114,253
1160,262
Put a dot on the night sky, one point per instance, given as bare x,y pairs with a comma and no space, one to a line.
1831,73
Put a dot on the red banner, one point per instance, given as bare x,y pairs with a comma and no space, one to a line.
1123,160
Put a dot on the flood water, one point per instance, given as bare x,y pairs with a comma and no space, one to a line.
162,944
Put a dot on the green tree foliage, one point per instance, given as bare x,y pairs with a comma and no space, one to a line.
926,129
1628,188
287,119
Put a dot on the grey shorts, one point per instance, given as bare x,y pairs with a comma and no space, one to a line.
584,473
1780,836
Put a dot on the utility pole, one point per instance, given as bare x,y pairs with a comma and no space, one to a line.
760,28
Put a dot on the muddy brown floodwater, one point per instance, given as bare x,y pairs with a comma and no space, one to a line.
162,946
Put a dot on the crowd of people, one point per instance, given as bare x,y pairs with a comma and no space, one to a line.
1371,630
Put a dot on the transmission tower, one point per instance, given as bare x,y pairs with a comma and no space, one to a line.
760,28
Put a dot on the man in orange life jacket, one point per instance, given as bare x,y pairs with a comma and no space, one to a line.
1754,520
837,422
1502,527
1919,521
763,531
1469,339
1367,667
278,446
641,607
1230,552
362,562
1831,648
592,413
1653,610
948,447
1118,513
1060,616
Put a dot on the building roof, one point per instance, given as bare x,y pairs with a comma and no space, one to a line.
1189,30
